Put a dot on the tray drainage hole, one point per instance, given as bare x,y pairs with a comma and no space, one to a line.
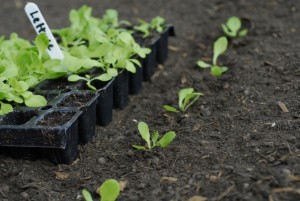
47,107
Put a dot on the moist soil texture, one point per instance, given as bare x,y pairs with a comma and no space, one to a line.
235,143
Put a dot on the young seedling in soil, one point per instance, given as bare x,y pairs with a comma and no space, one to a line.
232,27
220,46
186,98
152,140
109,191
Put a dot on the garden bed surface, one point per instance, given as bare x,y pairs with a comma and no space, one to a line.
235,143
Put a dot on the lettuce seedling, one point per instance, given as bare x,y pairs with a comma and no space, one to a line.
21,68
232,27
87,78
109,191
186,98
152,140
98,42
157,25
220,46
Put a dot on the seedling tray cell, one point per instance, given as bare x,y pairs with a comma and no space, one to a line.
136,80
85,102
121,90
104,108
41,129
150,62
162,45
61,85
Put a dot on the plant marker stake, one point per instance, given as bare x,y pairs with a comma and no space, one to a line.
39,24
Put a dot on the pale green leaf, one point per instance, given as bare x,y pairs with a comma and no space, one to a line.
202,64
109,190
170,108
130,66
167,139
226,30
233,24
243,32
139,147
5,108
220,47
35,101
87,196
182,94
155,136
216,71
223,69
10,68
41,42
112,71
125,37
18,86
104,77
144,131
136,62
189,100
15,97
75,78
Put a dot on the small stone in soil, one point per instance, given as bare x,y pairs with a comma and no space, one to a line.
24,195
155,160
101,161
130,153
141,186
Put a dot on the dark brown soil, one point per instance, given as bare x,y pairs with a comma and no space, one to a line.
234,144
76,100
56,118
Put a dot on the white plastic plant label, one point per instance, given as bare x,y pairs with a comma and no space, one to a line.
38,22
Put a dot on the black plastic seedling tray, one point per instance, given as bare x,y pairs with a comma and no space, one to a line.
121,90
73,110
162,45
150,62
53,128
86,102
136,81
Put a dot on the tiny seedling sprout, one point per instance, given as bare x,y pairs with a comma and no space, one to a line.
153,140
109,191
220,46
186,98
232,27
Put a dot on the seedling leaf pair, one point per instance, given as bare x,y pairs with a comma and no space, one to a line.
232,27
153,141
220,46
186,98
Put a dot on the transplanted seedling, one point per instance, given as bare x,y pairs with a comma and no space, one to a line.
157,25
186,98
232,27
109,191
103,77
220,46
152,140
